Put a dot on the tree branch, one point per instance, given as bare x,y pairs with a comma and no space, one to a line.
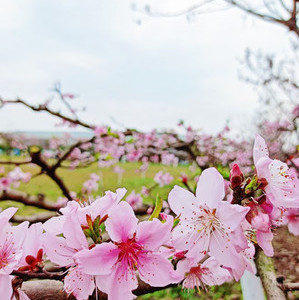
42,275
36,201
50,171
15,163
265,270
41,108
41,217
69,151
53,289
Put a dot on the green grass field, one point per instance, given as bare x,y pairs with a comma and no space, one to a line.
132,181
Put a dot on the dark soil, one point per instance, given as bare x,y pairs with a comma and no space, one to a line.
286,256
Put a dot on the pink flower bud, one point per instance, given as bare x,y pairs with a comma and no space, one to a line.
236,176
180,254
184,178
163,216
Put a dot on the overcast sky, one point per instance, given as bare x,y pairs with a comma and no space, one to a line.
144,76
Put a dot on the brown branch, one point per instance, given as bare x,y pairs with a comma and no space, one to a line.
42,275
290,286
70,150
36,201
16,163
53,289
290,23
57,89
41,108
50,171
41,217
45,289
266,272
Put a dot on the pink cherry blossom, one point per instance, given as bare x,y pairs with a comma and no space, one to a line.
134,199
206,222
17,175
134,155
91,185
259,217
246,262
99,130
5,183
11,240
136,246
62,250
169,159
163,178
291,218
201,274
145,191
282,188
32,258
100,207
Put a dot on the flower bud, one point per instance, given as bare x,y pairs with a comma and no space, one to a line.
163,216
184,178
236,176
261,222
262,183
180,254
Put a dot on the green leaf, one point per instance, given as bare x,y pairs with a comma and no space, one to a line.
158,208
252,185
176,221
96,226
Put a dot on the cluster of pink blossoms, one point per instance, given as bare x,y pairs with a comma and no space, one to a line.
206,240
14,178
91,185
163,178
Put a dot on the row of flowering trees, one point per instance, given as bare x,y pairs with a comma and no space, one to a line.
198,238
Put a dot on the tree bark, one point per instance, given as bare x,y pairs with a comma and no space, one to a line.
266,271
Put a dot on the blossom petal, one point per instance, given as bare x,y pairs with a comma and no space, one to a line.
260,149
73,232
231,214
99,260
32,242
283,185
119,284
199,245
78,283
293,226
184,236
57,250
210,188
264,239
8,213
156,270
262,167
221,246
182,201
102,206
122,222
216,274
22,295
54,225
5,287
153,234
